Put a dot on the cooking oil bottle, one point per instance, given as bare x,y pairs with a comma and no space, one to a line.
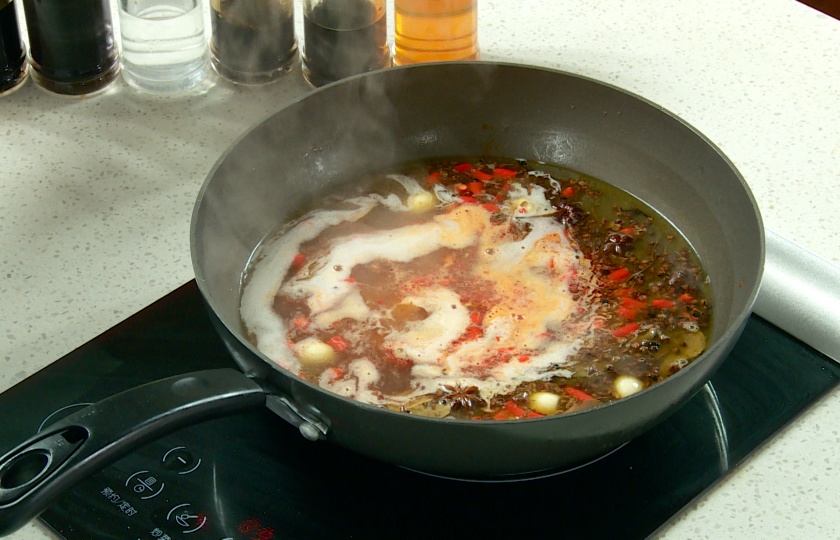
435,30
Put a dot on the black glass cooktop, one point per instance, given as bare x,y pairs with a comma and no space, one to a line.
253,477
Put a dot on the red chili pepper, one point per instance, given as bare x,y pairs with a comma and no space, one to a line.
621,293
503,414
515,409
469,200
475,187
626,312
629,230
686,298
433,177
662,303
503,172
632,303
476,317
490,207
577,393
350,280
535,414
568,192
464,167
524,358
481,175
298,261
619,275
626,330
338,343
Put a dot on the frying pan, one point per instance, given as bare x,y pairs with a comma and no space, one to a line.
387,118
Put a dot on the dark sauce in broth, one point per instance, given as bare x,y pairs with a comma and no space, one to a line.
628,303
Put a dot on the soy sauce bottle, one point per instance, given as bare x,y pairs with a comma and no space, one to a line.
343,38
71,45
13,66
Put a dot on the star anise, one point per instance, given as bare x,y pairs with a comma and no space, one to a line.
458,397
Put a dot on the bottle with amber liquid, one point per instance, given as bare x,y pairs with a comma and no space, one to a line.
71,45
435,30
13,64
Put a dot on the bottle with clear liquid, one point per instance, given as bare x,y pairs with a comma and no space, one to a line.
13,64
435,30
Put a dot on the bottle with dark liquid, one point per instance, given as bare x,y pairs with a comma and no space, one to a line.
435,30
253,41
71,45
343,38
13,64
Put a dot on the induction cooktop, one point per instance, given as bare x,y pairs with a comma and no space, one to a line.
251,476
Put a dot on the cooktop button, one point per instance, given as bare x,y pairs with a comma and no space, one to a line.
180,460
186,518
144,484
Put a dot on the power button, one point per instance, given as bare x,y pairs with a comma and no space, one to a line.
180,460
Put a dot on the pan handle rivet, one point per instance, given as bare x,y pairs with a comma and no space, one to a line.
309,431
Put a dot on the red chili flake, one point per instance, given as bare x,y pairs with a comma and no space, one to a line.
626,312
628,230
517,411
524,359
475,187
469,200
632,303
337,373
662,303
473,332
619,275
476,317
503,414
626,330
621,293
301,323
433,177
481,175
577,393
464,167
338,343
503,172
686,298
350,280
568,192
298,261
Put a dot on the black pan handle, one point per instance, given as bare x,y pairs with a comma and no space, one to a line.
39,470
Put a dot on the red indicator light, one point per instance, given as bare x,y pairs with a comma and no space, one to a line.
255,530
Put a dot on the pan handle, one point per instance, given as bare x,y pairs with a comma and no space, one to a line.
39,470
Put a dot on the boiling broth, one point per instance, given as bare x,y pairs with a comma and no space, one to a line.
479,289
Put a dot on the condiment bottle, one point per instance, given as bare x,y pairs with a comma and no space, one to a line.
71,45
253,41
13,66
435,30
343,38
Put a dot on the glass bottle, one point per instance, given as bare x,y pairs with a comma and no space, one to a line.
13,66
343,38
71,45
435,30
253,41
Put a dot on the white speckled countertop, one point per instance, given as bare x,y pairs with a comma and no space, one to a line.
96,193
